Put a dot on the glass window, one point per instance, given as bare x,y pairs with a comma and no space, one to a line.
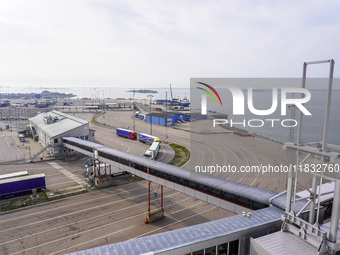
55,140
233,247
222,249
198,252
210,251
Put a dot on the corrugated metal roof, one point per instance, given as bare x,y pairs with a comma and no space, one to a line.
283,243
280,202
326,228
63,124
325,188
188,236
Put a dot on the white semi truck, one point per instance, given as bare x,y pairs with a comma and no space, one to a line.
152,152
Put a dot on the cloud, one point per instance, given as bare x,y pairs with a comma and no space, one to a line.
154,43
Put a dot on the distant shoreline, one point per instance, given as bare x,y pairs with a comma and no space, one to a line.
34,95
143,91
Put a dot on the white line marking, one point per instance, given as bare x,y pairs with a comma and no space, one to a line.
87,219
71,205
77,234
56,184
68,174
93,240
166,226
131,217
57,240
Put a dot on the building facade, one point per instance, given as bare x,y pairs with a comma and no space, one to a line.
48,129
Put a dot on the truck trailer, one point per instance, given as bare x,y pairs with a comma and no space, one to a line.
152,152
13,175
141,116
126,133
145,138
23,184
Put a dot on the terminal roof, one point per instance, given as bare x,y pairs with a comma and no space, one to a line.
183,237
63,122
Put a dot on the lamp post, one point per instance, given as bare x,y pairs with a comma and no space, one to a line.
150,96
166,114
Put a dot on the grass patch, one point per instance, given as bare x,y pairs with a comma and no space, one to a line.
94,121
122,180
27,201
132,178
182,155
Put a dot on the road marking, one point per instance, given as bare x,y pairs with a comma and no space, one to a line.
128,218
122,230
64,206
56,184
7,142
173,223
68,174
67,214
57,240
94,217
92,229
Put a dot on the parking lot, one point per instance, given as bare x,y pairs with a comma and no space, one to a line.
98,218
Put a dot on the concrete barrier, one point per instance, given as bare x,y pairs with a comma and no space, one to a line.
154,216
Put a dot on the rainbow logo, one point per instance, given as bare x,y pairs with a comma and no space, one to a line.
209,93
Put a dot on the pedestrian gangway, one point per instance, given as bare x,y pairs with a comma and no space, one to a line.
223,193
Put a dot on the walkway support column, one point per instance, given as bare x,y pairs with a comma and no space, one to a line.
149,191
162,198
156,214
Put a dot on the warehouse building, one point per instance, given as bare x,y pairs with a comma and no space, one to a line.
48,128
169,118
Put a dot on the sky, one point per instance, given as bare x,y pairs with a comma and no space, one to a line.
150,44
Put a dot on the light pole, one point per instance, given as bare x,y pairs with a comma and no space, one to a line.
150,96
166,114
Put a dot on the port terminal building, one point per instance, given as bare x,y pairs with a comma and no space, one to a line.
48,128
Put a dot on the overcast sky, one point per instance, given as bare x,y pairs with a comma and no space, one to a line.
154,43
